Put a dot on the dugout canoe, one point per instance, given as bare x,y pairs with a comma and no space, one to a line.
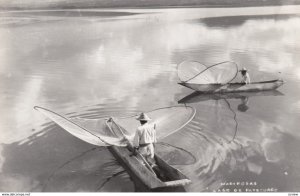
143,178
234,87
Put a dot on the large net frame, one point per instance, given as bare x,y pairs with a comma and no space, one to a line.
120,131
196,72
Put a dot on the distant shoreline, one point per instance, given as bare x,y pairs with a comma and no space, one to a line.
10,8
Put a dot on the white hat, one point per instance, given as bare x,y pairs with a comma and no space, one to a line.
244,69
144,117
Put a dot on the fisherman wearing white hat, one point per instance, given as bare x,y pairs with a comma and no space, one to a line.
245,76
144,138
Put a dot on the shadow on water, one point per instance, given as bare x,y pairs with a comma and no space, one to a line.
66,163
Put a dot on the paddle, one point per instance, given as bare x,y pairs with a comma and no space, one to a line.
129,146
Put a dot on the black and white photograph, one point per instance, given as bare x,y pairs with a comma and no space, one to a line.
188,96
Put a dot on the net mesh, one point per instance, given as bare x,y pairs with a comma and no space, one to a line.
86,130
104,132
166,120
195,72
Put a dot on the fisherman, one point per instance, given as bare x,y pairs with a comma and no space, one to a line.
245,76
144,138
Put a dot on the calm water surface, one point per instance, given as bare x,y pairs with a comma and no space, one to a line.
119,62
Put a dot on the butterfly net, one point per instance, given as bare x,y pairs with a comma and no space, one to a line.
195,72
119,131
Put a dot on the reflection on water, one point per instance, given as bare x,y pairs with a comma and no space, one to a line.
243,107
233,21
199,97
121,62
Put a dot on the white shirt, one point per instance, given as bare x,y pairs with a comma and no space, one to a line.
246,78
145,134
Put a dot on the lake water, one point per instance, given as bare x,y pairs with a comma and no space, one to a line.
92,63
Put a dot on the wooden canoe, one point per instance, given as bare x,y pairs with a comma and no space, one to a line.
145,179
234,87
